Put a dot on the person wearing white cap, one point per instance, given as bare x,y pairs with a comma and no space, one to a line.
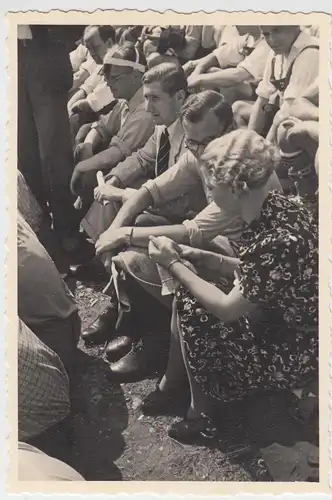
125,129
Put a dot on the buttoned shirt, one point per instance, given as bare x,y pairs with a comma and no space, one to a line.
233,53
128,126
142,164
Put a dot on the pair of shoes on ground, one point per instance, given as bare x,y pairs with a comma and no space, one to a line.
131,360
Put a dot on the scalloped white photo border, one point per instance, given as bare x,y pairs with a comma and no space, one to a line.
82,13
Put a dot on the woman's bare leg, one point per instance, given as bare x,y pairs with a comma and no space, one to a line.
175,375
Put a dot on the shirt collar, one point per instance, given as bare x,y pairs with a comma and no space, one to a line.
303,40
172,129
136,100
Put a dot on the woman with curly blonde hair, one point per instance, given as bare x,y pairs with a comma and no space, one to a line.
260,332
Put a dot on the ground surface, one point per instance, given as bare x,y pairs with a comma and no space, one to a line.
114,441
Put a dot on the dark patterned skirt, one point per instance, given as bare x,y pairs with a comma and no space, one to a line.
229,360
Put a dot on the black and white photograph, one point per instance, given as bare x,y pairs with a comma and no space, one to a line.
167,251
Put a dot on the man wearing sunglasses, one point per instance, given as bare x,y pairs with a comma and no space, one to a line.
124,130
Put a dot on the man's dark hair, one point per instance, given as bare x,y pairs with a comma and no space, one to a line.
209,101
106,33
170,75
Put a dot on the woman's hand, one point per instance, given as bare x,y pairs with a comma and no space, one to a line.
197,256
190,253
163,250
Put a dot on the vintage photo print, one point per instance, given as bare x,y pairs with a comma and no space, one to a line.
167,279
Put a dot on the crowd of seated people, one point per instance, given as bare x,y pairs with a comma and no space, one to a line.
184,159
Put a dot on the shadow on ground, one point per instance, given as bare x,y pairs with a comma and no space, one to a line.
112,440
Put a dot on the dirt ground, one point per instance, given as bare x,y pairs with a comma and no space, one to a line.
114,441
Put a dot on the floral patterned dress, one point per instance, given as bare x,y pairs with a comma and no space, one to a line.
277,348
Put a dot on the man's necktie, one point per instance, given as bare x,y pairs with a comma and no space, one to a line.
163,153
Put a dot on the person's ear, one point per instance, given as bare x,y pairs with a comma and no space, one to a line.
181,96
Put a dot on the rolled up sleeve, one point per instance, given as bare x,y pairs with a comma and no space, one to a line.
211,222
254,64
176,181
139,164
110,124
136,130
228,54
100,98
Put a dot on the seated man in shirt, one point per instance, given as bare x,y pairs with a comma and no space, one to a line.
124,130
291,68
165,91
45,304
97,39
97,100
91,93
204,116
238,82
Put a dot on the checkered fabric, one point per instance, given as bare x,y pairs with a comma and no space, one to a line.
43,386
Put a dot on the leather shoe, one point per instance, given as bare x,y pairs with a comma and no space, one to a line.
140,363
103,328
118,348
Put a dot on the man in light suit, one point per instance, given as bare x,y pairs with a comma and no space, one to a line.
165,91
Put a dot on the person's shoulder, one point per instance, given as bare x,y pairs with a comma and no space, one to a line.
305,46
